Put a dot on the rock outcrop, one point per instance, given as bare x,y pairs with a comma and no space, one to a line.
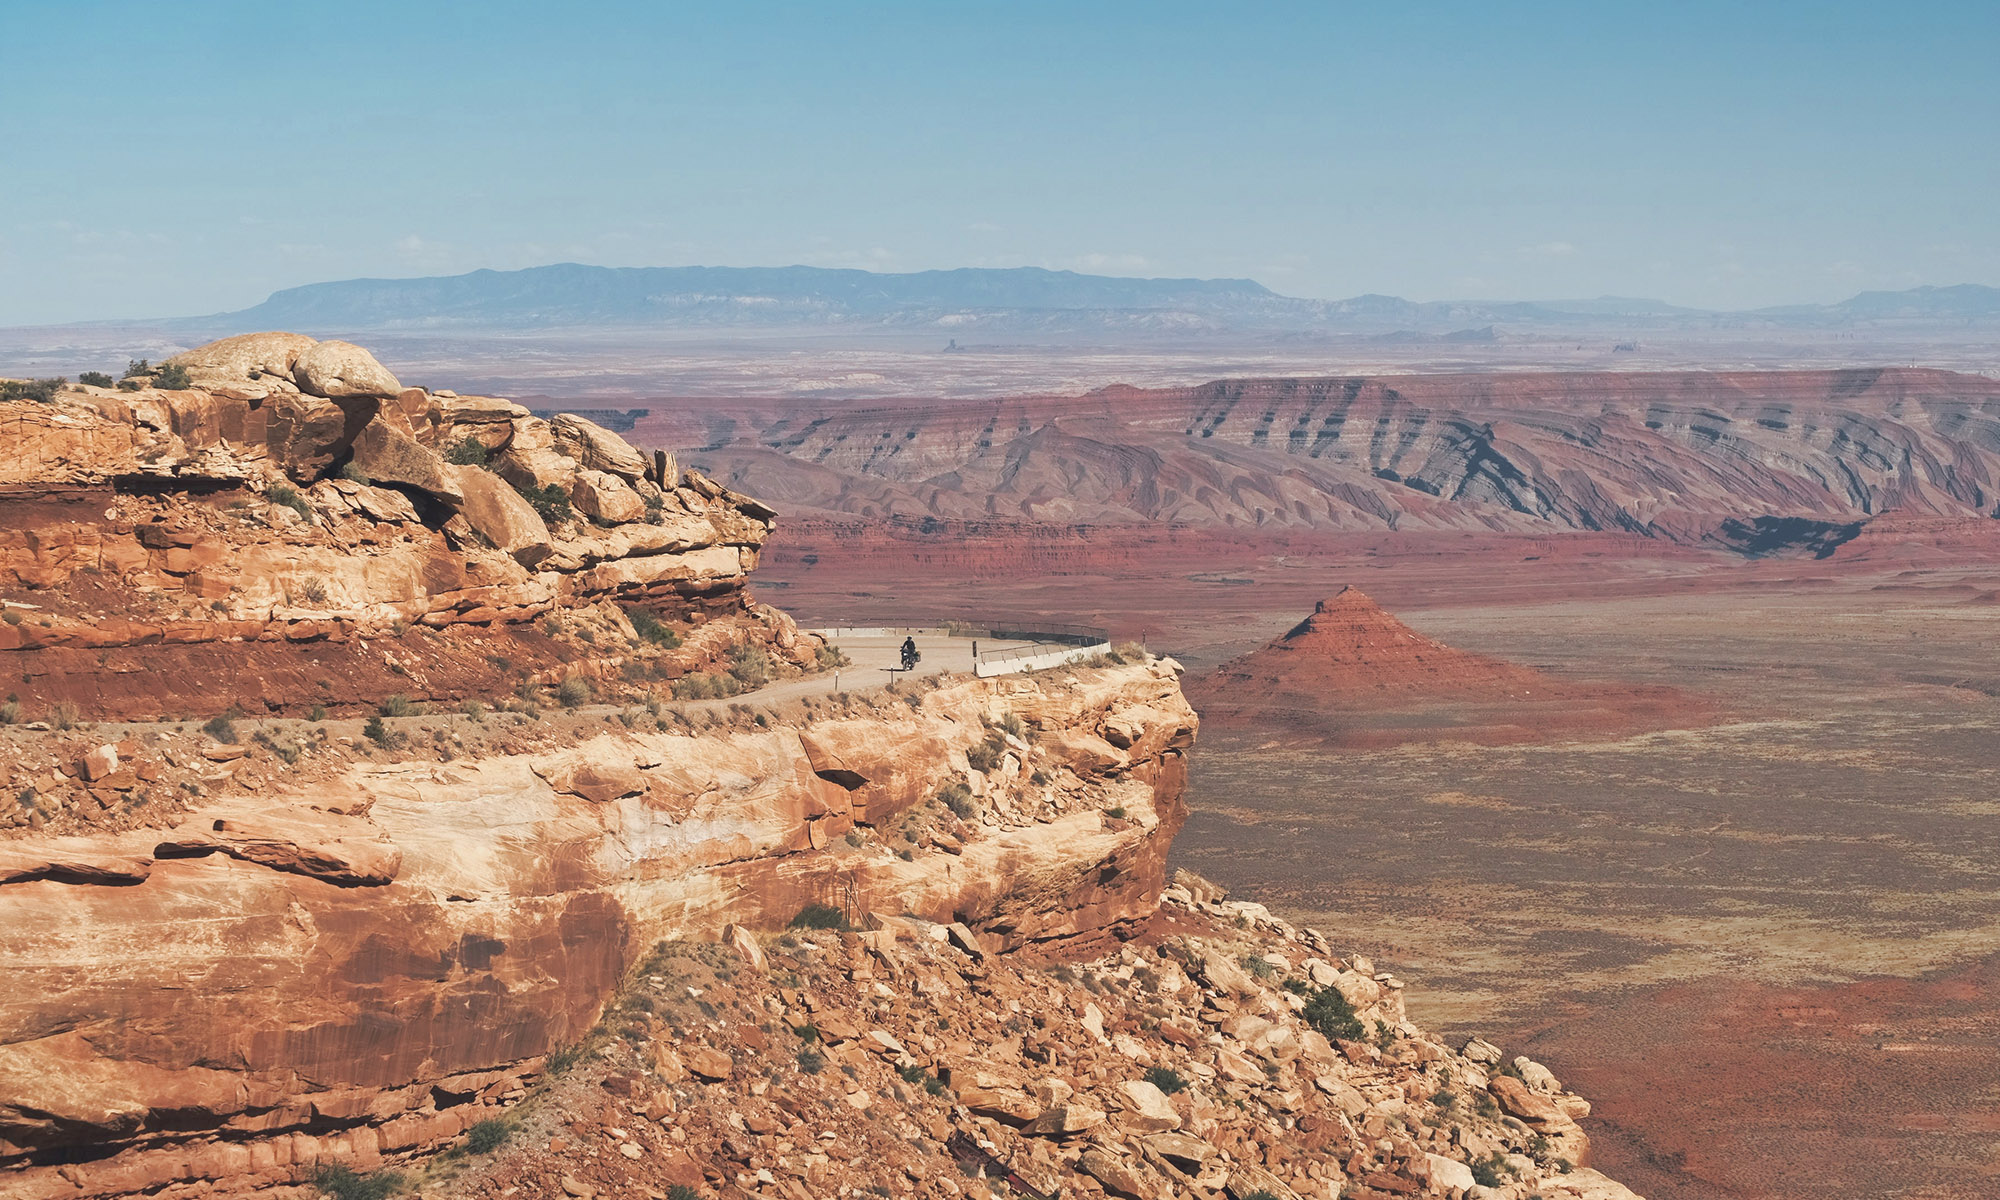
305,495
1354,675
396,934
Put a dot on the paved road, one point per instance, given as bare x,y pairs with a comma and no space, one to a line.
869,659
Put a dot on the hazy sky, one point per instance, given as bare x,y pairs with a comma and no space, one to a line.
190,157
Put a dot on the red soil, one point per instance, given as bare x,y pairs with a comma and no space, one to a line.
1881,1087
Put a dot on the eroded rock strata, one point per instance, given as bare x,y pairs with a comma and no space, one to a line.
236,963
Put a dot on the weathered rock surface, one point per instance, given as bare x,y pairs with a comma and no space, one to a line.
337,369
406,924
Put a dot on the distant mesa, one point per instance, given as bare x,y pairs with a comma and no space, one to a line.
1353,675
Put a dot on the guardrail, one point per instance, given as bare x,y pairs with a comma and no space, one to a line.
1072,642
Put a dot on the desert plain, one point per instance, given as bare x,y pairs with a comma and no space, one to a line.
1762,938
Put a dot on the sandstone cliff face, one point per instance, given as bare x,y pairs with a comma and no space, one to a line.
374,963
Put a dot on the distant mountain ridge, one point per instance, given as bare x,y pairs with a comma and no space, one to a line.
1018,299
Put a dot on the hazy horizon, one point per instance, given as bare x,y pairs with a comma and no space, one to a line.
1707,156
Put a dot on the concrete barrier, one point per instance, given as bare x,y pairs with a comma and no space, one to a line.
987,668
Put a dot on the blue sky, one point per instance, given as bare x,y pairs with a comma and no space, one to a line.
167,159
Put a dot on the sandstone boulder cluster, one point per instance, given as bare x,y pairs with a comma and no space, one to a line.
899,1061
298,492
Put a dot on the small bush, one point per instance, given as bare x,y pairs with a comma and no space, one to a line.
958,798
681,1191
343,1184
316,713
375,731
222,727
1116,812
135,367
397,706
550,502
573,691
287,495
818,916
1330,1012
810,1062
42,391
1012,726
473,709
486,1136
1258,968
1166,1079
173,378
648,626
10,712
64,714
750,666
468,452
831,656
1489,1171
94,379
807,1033
561,1059
313,590
987,754
703,686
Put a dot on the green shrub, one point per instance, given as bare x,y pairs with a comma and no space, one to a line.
1012,726
958,798
343,1184
1116,812
94,379
648,626
287,495
1489,1171
222,727
703,686
807,1033
681,1191
1255,964
1330,1012
135,367
468,452
173,378
354,474
818,916
313,590
750,666
1166,1079
550,502
473,709
397,706
987,754
10,712
316,713
810,1062
831,656
486,1136
42,391
573,691
375,731
561,1059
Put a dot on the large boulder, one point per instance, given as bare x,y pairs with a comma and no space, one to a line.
307,434
597,447
496,510
249,365
335,369
386,454
604,497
